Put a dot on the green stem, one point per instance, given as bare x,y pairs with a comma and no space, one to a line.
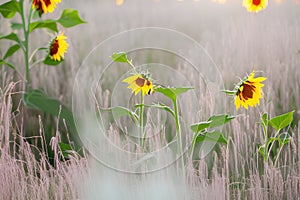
141,116
277,156
178,129
193,144
26,39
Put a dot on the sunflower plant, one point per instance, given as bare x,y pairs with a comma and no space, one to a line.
280,134
26,17
248,92
31,13
142,82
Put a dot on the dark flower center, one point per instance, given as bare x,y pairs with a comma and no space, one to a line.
256,2
54,48
140,82
248,91
47,2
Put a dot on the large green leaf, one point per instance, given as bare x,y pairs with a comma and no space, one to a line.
215,136
49,24
219,120
9,9
65,149
11,36
69,18
37,99
196,128
160,106
120,111
281,121
172,92
11,51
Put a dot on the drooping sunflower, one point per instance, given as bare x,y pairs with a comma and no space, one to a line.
140,82
255,5
249,91
44,6
58,47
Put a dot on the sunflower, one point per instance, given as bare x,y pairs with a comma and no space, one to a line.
139,82
58,47
255,5
44,6
248,91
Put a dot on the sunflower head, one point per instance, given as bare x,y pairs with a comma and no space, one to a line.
140,82
58,47
255,5
249,91
44,6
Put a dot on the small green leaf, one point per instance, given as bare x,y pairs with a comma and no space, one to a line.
49,24
219,120
11,36
215,136
49,61
281,121
9,9
160,106
16,26
120,111
2,62
196,128
262,152
11,51
173,92
70,18
120,57
229,92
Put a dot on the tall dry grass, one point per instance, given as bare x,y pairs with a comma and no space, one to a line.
237,41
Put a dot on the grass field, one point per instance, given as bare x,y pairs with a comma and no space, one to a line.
33,165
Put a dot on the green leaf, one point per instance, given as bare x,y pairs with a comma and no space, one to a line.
11,51
49,24
172,93
16,26
196,128
215,136
264,121
284,138
160,106
120,57
219,120
120,111
9,9
37,99
11,36
65,149
49,61
2,62
229,92
70,18
281,121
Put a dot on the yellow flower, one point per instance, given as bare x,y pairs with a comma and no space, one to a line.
44,6
248,91
58,47
139,82
255,5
